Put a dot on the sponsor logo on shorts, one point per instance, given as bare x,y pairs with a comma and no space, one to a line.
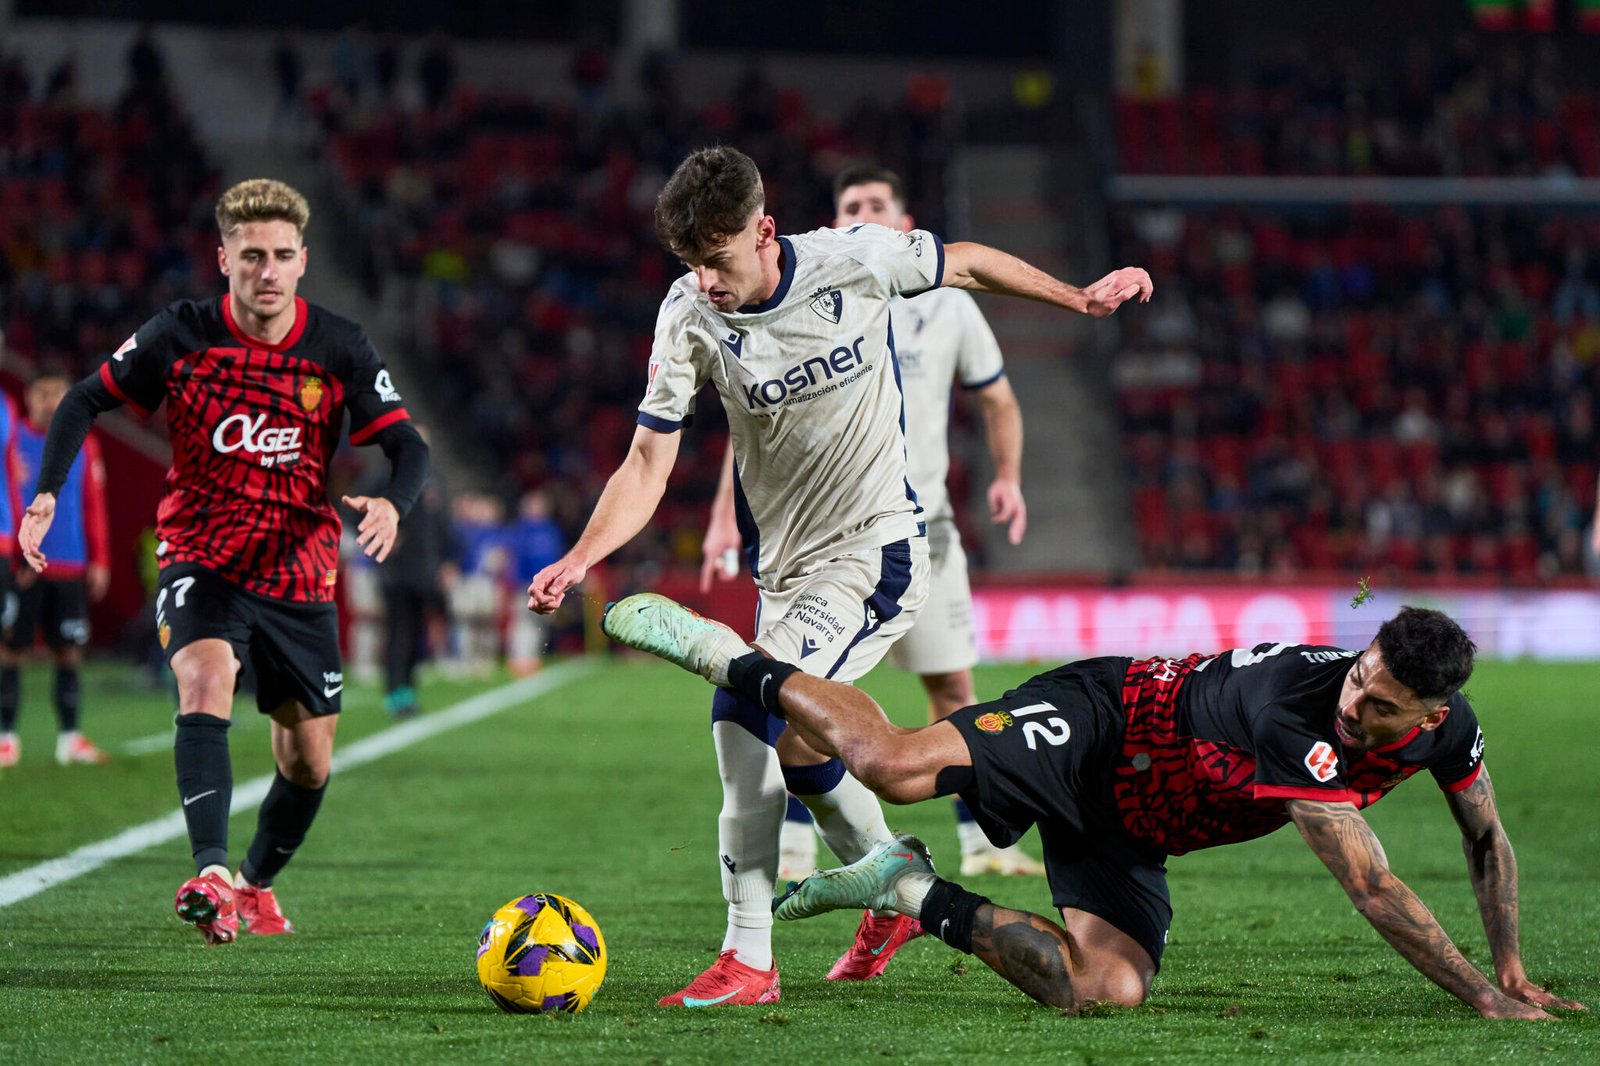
1322,762
993,721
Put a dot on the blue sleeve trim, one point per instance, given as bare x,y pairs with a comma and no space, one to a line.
985,383
938,274
659,424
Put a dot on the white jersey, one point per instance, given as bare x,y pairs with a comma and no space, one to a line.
942,340
812,392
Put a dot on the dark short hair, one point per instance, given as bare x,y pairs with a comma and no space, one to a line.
1427,652
708,199
51,369
865,173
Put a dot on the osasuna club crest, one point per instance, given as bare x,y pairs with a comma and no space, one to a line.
828,303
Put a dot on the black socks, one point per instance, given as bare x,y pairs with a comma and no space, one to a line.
10,698
948,912
286,815
66,694
759,678
205,785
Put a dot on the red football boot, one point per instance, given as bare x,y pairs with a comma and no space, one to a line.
728,983
206,902
877,939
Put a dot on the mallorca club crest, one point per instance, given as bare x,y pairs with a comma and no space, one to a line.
164,634
829,303
993,721
311,390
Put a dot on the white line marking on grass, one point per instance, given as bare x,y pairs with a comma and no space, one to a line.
248,794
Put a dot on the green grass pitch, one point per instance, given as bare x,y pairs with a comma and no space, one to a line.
605,790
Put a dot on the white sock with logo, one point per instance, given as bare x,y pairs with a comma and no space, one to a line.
753,802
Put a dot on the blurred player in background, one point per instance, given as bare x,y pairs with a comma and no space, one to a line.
941,340
795,333
58,604
257,384
533,542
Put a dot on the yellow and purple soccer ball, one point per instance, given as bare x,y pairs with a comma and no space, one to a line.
541,954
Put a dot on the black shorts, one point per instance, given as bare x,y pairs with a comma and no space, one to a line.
1042,755
62,606
293,648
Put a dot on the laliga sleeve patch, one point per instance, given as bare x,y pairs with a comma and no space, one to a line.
1322,761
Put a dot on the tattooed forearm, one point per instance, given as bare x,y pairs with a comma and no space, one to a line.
1026,950
1493,869
1347,846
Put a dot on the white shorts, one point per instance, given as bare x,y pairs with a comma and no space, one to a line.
838,620
942,640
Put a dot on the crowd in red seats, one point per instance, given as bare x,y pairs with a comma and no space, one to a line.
104,214
1476,106
1364,388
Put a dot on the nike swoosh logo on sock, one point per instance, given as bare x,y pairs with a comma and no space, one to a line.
690,1001
190,799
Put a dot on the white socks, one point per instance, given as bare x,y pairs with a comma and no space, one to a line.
753,802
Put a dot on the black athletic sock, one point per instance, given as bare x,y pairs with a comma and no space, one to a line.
66,694
205,785
759,678
286,815
948,912
10,698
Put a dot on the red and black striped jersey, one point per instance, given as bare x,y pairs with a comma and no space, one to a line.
1214,745
253,427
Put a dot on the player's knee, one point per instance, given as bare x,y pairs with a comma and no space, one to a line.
203,691
1118,987
306,773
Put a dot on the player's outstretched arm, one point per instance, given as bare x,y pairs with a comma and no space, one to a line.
629,499
979,268
1493,868
1002,427
1348,847
719,551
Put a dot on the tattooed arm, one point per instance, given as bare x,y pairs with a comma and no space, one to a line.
1348,847
1493,868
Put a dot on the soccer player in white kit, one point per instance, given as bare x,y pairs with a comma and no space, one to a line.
941,340
796,334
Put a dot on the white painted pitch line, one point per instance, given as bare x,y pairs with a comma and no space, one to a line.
248,795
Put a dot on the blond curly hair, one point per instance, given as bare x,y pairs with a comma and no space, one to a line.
261,200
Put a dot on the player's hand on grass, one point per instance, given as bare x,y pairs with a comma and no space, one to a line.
1501,1005
1008,508
1116,289
379,526
549,586
1528,992
35,524
719,554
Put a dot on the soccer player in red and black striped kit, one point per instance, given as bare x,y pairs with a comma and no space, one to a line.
1123,762
257,383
